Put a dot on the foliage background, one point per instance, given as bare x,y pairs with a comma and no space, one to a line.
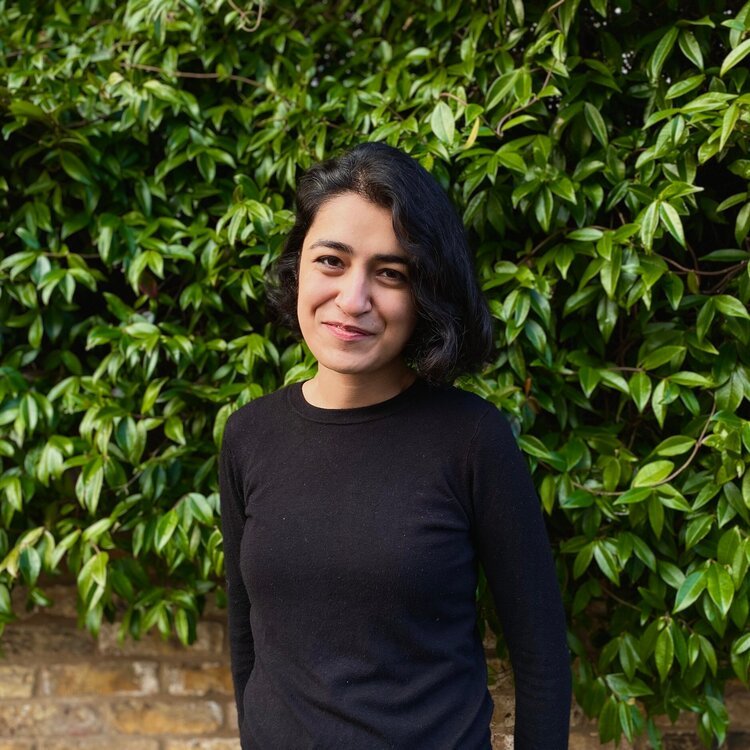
598,152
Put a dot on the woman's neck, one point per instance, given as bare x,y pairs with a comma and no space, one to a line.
334,390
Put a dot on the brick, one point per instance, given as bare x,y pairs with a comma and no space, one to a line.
504,715
45,639
225,743
41,719
100,678
209,641
99,743
502,741
590,741
685,723
501,676
198,679
682,741
579,720
16,681
163,717
737,697
231,720
212,611
63,598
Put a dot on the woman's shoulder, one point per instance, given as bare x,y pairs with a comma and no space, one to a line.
464,411
259,413
464,403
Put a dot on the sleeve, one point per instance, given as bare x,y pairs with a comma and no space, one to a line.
515,553
242,653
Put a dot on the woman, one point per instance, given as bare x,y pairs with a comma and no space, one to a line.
356,505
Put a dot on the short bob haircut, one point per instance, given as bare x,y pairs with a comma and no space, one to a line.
453,334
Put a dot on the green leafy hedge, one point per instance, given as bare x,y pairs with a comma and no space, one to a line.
598,151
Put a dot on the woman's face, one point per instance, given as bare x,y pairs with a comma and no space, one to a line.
354,304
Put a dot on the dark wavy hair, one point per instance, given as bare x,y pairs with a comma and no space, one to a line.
453,334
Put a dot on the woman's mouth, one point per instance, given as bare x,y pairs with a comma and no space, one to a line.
347,333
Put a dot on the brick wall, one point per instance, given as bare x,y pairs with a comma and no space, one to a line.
62,690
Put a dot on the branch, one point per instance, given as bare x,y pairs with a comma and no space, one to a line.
456,98
698,272
244,17
696,447
534,99
183,74
614,596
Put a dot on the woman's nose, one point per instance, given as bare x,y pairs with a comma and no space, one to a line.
354,294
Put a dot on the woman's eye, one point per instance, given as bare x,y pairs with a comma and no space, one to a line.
329,261
393,275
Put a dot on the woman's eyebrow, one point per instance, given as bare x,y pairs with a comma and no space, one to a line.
349,250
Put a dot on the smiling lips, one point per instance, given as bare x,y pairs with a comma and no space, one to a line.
347,333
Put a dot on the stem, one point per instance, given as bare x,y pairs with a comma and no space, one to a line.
183,74
534,99
244,17
677,472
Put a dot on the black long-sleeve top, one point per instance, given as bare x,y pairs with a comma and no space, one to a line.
351,542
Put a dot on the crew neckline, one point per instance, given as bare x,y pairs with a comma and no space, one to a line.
355,414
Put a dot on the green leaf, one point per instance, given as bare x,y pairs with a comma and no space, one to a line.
728,544
690,590
731,306
633,495
533,446
589,377
705,318
587,234
151,394
664,653
543,207
727,124
442,123
660,357
640,389
75,167
93,572
671,220
165,528
95,531
577,499
661,53
739,53
626,688
685,86
607,562
99,568
697,529
596,122
609,722
652,474
89,484
649,222
674,446
671,574
692,379
174,430
30,565
720,587
690,48
709,653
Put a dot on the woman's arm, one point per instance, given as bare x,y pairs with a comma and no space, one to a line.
515,552
238,604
